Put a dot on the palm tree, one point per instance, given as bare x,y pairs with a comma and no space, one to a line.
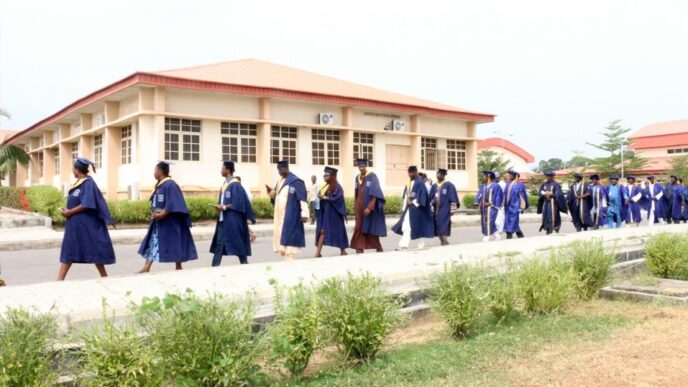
10,155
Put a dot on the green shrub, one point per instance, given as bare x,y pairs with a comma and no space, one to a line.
263,208
202,341
666,255
457,294
350,206
10,197
502,295
393,204
468,201
296,332
592,265
130,211
46,200
533,200
546,285
358,314
117,356
200,208
25,342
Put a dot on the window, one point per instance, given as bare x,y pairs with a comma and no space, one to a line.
126,145
238,142
283,144
456,155
677,150
98,150
57,160
177,129
363,147
75,151
325,147
428,153
40,163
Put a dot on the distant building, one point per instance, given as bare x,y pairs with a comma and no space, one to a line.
659,143
254,113
519,159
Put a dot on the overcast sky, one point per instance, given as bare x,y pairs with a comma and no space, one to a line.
554,72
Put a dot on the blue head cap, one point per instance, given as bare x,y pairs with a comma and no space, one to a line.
613,177
82,163
594,176
549,173
331,171
283,164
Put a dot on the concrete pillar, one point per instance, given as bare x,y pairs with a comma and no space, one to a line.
346,152
472,157
414,158
20,175
112,159
48,166
86,147
34,168
86,121
111,111
263,154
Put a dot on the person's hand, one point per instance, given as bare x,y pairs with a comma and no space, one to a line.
219,208
268,188
304,220
367,212
65,213
409,201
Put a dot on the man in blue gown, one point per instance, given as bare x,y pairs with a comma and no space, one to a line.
416,217
615,202
551,204
291,212
369,210
445,202
634,195
169,233
580,202
515,202
668,199
86,237
330,225
234,208
654,193
599,202
676,199
489,200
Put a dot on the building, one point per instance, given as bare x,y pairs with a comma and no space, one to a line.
4,133
518,158
659,143
254,113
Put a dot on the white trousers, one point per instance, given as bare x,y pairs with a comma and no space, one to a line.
406,236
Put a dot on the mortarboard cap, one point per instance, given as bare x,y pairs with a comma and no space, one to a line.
489,173
442,171
577,175
594,176
330,170
549,173
613,177
513,173
412,168
283,164
651,177
630,178
84,163
361,162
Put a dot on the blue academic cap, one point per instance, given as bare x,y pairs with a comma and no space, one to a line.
361,162
442,171
330,170
613,177
651,177
549,173
489,173
513,173
594,176
674,176
84,163
412,168
283,164
577,175
630,177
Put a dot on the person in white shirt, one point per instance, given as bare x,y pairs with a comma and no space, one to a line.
313,198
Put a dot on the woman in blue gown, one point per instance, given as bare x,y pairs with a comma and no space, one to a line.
86,237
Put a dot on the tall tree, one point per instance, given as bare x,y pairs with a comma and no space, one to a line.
551,164
613,139
10,155
578,160
489,160
679,167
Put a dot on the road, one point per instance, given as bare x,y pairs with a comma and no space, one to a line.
35,266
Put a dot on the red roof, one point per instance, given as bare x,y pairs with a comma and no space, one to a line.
677,140
508,145
661,128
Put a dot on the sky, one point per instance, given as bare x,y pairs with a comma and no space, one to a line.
554,72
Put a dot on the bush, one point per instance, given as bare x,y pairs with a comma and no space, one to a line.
25,342
117,356
591,263
666,255
502,295
46,200
296,332
10,197
546,285
202,341
350,206
130,211
457,294
358,314
393,204
533,200
468,201
262,207
200,208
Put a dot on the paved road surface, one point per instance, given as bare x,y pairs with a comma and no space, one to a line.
33,266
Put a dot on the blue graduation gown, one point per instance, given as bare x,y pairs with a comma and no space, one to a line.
632,212
615,197
374,223
652,203
491,194
420,218
515,200
86,238
677,202
234,220
668,200
580,208
443,196
599,205
292,227
551,208
174,234
331,219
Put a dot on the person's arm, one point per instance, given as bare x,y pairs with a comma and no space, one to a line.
73,211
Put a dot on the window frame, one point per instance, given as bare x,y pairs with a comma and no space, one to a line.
456,150
187,135
245,147
286,135
359,145
428,144
126,140
325,147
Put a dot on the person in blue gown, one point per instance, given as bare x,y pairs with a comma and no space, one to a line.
86,236
445,203
232,235
291,212
551,204
676,199
615,200
369,210
684,190
668,199
416,217
633,195
654,206
330,225
489,200
579,203
515,202
599,202
169,234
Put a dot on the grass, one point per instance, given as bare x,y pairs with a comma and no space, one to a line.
473,361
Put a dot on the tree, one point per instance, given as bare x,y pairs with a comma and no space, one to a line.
614,135
578,160
550,165
10,155
679,167
489,160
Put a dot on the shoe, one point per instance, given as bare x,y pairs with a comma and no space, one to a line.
486,239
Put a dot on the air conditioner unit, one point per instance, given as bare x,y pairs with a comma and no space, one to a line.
326,118
398,125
